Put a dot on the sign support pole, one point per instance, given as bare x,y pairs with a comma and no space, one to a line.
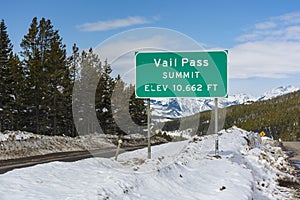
149,131
216,128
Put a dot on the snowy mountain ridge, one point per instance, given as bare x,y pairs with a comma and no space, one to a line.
164,109
279,91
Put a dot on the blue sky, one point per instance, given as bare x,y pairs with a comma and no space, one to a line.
263,37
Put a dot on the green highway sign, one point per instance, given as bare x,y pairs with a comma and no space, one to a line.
181,74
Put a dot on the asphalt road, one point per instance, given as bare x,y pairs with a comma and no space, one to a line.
295,147
8,165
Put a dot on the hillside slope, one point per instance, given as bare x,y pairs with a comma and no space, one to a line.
165,109
279,117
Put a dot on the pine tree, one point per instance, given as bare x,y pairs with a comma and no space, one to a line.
6,93
57,84
74,63
88,78
119,105
103,98
48,76
17,80
33,67
138,110
129,112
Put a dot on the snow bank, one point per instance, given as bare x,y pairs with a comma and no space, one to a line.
249,168
18,144
184,134
15,135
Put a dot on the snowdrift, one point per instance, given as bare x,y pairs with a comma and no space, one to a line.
249,168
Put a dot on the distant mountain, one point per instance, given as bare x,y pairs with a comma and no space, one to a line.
277,117
278,92
164,109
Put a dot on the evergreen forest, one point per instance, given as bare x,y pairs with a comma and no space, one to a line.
37,83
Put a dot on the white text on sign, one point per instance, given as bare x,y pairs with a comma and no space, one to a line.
184,62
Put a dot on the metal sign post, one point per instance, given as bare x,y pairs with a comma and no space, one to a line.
216,128
149,131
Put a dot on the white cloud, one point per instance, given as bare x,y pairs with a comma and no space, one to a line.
264,59
265,25
292,33
270,49
120,49
289,18
113,24
281,28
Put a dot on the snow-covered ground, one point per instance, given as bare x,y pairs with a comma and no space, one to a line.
249,168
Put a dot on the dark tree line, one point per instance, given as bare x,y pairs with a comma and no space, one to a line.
36,85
